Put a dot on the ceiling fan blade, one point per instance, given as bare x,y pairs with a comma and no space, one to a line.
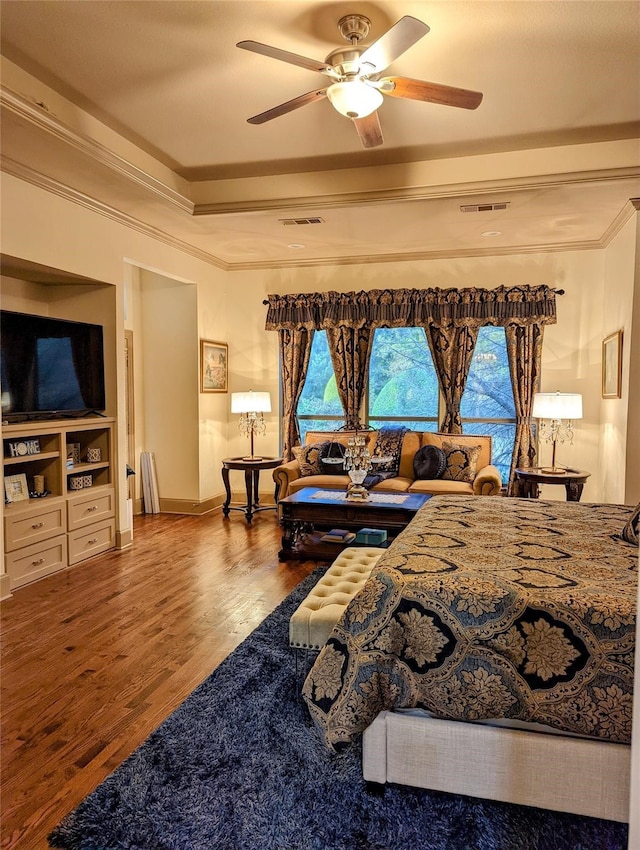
285,56
288,106
431,92
369,130
402,35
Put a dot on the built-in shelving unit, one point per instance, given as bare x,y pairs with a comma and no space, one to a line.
73,461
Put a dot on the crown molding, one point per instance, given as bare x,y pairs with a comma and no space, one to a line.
418,256
37,116
49,184
416,193
626,213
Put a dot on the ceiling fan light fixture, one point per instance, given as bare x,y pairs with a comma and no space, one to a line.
354,98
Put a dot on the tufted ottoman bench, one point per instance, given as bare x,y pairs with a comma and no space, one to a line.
318,613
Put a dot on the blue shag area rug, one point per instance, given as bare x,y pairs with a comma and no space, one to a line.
239,766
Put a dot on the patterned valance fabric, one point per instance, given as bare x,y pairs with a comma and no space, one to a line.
471,306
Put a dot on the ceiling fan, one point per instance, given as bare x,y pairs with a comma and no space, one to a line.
357,88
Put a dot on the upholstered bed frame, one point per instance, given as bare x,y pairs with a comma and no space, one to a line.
514,620
546,770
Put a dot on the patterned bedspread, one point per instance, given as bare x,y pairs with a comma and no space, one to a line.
485,608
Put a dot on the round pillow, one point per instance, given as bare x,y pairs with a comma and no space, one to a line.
429,462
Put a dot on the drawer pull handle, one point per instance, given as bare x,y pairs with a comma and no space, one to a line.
92,541
37,525
37,563
92,508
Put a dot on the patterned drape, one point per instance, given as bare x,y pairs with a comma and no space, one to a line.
524,351
295,349
452,349
350,350
401,308
451,319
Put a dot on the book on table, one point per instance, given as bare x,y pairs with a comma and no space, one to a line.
338,535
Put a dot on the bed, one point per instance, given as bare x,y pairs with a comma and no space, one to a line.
491,654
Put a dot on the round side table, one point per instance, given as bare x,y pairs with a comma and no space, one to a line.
573,480
251,470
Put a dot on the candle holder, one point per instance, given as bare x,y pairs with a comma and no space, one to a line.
357,463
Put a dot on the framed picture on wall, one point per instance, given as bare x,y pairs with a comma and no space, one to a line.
214,367
612,366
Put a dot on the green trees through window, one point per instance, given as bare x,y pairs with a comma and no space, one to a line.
403,389
487,404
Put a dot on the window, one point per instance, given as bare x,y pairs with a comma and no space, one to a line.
319,407
403,386
487,404
403,389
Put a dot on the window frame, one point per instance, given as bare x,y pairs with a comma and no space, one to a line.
366,419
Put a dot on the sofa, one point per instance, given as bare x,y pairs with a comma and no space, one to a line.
485,480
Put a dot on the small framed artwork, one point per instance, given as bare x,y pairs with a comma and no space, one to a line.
214,367
612,366
15,488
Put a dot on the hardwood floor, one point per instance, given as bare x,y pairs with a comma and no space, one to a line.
94,658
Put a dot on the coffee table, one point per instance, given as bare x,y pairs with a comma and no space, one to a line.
307,514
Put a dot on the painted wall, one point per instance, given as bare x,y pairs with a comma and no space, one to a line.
53,232
229,308
572,347
632,488
620,293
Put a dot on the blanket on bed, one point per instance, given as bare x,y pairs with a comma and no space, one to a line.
486,608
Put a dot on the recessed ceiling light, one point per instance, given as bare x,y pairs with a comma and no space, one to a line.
491,233
296,245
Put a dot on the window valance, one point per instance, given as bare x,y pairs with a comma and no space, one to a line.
471,306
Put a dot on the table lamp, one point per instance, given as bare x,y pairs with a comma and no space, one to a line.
251,406
556,412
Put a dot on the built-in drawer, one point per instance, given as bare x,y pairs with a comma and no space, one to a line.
90,507
37,561
91,540
33,524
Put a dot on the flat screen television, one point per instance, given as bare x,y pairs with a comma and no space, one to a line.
49,367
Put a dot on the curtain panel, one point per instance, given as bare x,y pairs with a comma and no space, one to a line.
295,350
350,350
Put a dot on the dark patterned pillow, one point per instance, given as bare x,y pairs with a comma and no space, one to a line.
389,446
631,531
461,461
332,460
429,462
309,457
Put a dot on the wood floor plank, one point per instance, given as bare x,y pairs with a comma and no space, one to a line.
96,657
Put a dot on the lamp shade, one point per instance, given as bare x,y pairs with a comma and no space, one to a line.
250,402
354,99
557,406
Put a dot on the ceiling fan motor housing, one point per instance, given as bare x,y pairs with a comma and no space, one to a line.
354,27
345,61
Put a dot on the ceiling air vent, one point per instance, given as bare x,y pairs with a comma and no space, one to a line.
296,221
484,207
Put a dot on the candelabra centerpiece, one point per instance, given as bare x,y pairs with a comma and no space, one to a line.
357,463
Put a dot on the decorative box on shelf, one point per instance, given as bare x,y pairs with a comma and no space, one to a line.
371,536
